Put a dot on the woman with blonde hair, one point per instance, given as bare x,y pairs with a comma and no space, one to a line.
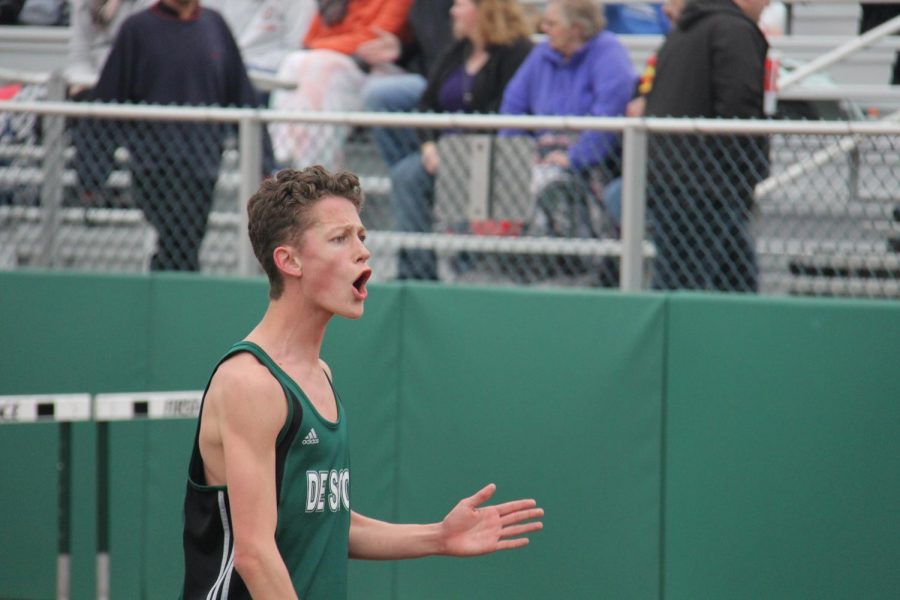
492,41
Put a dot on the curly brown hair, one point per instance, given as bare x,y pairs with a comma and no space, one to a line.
280,211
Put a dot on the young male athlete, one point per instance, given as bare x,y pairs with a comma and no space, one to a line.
267,509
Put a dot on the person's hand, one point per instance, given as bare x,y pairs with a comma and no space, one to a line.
76,90
471,529
636,107
430,157
560,158
384,49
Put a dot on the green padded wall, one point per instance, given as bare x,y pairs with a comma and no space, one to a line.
192,323
683,445
550,395
83,502
29,491
101,333
782,449
78,333
147,466
29,503
64,333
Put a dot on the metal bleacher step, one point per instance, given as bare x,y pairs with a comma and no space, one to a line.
885,266
801,248
844,287
831,267
885,227
874,208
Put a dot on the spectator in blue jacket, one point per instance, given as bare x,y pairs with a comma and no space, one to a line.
580,69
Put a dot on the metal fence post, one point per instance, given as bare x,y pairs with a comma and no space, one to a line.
250,141
634,199
53,167
853,159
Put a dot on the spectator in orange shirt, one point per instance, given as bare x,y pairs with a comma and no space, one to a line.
330,72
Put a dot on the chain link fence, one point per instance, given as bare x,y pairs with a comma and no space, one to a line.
828,219
775,207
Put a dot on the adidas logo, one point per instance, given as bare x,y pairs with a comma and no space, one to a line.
311,438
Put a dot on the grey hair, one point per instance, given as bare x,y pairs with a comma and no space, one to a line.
587,15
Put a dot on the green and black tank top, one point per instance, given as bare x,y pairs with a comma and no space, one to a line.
312,477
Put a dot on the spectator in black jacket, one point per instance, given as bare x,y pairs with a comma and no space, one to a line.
9,11
874,15
701,187
172,53
493,40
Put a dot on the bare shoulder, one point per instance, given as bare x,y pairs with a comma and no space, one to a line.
243,392
243,411
241,374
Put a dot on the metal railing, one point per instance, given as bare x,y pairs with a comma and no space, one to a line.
841,52
824,144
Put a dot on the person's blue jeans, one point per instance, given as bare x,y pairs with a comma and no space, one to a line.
412,190
394,93
612,200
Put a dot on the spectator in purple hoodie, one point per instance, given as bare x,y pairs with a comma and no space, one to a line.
583,70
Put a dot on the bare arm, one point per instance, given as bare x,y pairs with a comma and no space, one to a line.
248,412
468,530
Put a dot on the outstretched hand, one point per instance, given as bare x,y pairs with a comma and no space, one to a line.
471,529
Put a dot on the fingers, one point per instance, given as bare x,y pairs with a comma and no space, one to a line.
523,515
518,530
510,544
482,495
515,505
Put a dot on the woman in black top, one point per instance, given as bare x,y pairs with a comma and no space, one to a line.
492,41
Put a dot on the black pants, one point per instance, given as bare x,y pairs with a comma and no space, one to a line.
703,242
874,15
176,202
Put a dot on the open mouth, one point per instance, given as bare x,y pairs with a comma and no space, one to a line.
359,284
